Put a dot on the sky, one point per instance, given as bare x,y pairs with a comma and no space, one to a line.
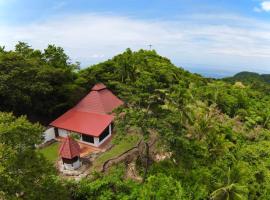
211,37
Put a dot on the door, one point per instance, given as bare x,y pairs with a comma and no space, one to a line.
56,132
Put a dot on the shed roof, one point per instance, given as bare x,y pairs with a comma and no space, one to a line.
69,148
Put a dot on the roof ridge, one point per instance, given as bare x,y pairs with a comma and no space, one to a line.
69,144
62,147
98,87
69,148
101,102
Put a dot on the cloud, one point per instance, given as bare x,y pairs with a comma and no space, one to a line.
97,56
265,6
227,40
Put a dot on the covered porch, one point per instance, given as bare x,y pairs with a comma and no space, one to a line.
97,140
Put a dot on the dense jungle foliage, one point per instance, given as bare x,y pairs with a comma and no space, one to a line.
217,131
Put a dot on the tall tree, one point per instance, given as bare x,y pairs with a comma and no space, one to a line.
24,173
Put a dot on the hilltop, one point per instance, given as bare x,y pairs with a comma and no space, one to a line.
249,77
214,133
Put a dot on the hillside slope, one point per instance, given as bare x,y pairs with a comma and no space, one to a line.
215,132
209,126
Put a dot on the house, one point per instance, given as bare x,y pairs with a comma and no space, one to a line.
69,152
91,119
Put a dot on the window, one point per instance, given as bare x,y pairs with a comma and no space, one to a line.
87,138
104,134
70,161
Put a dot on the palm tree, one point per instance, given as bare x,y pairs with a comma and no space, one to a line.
231,191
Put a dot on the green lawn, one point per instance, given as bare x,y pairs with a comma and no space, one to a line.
118,149
50,152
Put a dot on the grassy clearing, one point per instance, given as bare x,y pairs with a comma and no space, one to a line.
51,152
125,144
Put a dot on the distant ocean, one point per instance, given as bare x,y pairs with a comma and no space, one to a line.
208,73
211,72
219,72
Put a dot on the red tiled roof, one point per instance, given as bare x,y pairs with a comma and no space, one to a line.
92,114
83,122
98,86
69,148
101,101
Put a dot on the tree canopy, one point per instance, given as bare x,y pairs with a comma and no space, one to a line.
24,173
38,84
216,131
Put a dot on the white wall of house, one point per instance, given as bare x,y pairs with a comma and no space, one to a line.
63,132
96,139
49,134
73,166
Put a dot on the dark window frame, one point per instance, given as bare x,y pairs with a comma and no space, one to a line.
104,134
70,161
56,132
88,138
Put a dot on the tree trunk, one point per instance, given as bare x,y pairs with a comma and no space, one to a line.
146,161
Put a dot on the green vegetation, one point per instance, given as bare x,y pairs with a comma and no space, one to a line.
217,131
38,84
117,149
50,152
249,77
115,186
24,173
253,80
